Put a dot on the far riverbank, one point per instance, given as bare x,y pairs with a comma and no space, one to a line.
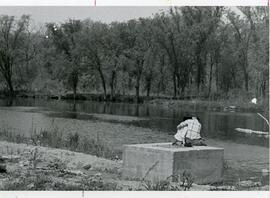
240,103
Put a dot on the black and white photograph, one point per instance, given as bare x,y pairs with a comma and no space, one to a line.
134,98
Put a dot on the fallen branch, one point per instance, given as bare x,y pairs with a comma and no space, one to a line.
249,131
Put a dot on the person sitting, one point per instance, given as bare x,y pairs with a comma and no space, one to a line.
188,133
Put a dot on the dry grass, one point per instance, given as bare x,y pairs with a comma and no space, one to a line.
55,138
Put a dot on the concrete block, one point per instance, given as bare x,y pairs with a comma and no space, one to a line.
161,161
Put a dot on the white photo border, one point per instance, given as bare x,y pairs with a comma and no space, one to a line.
105,194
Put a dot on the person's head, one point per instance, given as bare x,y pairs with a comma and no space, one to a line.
191,117
187,118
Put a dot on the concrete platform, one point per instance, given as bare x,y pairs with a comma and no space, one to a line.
161,161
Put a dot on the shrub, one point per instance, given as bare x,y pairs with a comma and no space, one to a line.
163,185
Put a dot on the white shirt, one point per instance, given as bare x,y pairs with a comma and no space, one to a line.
191,129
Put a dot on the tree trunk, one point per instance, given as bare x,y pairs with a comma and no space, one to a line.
210,77
74,93
6,70
103,82
199,65
174,85
245,65
112,84
183,91
246,80
217,77
137,87
175,63
148,88
178,84
137,91
161,81
138,79
73,80
98,65
10,86
263,88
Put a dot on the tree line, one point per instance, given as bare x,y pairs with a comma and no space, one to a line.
185,51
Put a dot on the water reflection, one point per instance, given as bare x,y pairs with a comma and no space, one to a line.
8,101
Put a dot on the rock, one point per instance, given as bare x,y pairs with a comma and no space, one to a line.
74,172
248,184
98,175
3,168
10,158
30,186
24,163
223,188
87,166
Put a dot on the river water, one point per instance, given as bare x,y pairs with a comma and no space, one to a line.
247,155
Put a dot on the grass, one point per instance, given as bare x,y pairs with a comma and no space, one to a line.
157,186
96,183
55,138
183,184
37,182
46,181
52,177
183,181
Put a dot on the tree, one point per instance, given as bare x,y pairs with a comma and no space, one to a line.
166,37
113,51
201,23
12,36
92,43
242,36
137,45
65,39
182,52
258,56
27,67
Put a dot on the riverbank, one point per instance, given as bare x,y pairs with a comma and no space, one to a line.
240,103
229,105
104,135
41,168
89,134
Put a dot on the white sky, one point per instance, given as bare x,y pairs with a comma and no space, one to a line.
42,14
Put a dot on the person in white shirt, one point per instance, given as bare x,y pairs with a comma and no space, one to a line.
188,133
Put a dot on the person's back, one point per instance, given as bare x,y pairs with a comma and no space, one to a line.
188,132
193,129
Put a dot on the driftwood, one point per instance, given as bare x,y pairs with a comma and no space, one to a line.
249,131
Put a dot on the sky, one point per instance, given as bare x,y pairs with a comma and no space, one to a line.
44,14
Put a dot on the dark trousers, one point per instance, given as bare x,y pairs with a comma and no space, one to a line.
196,142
